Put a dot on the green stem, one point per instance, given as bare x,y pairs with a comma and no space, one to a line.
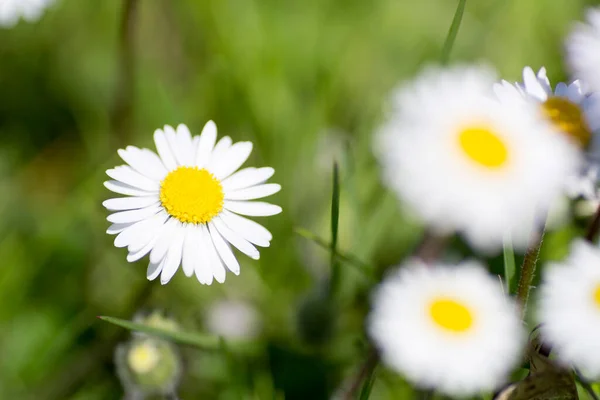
335,216
528,271
452,32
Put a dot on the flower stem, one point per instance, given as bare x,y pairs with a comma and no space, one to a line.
528,270
452,32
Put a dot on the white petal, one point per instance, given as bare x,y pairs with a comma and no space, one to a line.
128,175
231,160
129,203
133,215
220,149
143,162
154,270
173,258
224,250
247,177
117,228
164,151
174,145
164,241
202,267
128,190
235,239
124,238
254,192
136,255
190,247
533,86
248,229
218,270
184,137
561,89
208,137
252,208
151,230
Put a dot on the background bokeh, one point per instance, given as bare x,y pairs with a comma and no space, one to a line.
305,81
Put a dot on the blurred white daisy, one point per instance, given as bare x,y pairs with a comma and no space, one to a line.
448,327
30,10
233,319
572,112
569,308
469,163
583,50
183,204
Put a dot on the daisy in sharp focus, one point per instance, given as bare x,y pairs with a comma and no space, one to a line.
572,112
446,327
30,10
583,50
184,205
569,308
466,162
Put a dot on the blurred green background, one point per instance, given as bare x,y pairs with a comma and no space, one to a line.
305,81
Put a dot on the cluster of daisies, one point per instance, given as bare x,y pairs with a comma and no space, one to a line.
11,11
489,160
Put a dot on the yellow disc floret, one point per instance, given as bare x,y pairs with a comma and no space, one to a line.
142,357
568,118
597,295
192,195
483,146
451,315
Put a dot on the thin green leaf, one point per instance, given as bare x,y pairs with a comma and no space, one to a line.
198,340
452,32
335,215
349,259
509,263
365,392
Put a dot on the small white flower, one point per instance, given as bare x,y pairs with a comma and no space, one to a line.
183,204
569,308
583,50
571,112
447,327
466,162
30,10
233,319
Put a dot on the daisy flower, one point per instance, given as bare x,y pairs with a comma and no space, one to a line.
183,205
583,49
446,327
569,308
572,112
30,10
466,162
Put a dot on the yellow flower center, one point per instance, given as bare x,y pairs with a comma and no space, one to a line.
568,117
451,315
483,146
192,195
142,357
597,295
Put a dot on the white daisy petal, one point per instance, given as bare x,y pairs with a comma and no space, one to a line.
129,176
139,254
235,239
235,156
448,327
252,208
583,49
133,215
203,268
184,138
190,250
173,257
154,269
164,150
247,177
248,229
117,228
220,149
254,192
150,231
224,250
206,144
164,241
129,203
215,262
561,89
144,161
124,238
128,190
532,85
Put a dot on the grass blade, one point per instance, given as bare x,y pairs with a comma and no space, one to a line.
335,215
509,263
452,32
